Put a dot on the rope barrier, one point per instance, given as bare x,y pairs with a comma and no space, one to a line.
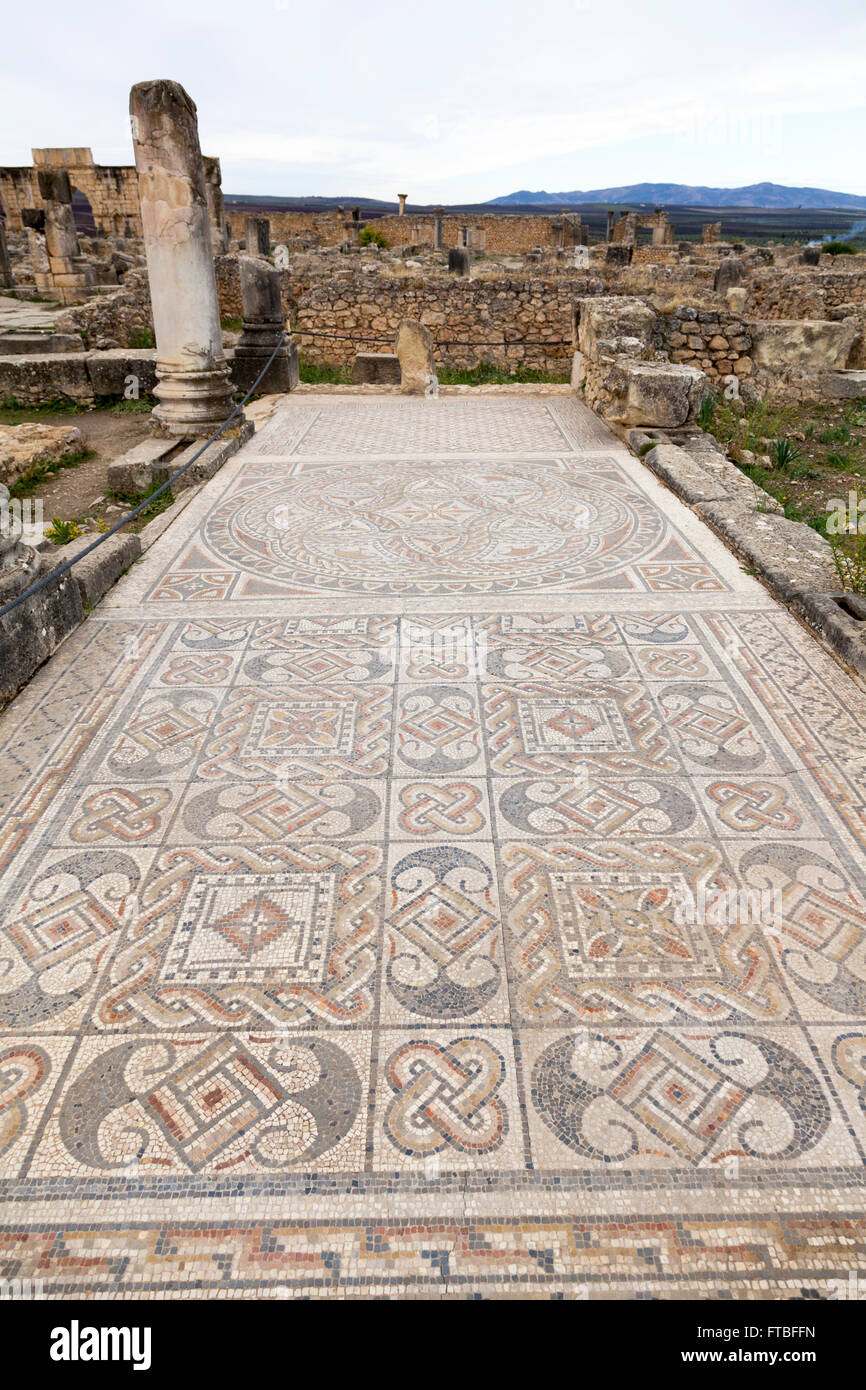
442,342
142,506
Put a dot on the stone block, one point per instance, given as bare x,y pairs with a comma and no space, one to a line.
845,386
23,448
606,324
683,474
788,555
282,375
22,343
578,371
459,260
376,369
108,370
661,394
34,380
32,631
415,353
811,345
98,571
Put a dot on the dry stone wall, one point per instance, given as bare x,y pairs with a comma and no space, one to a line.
715,342
486,314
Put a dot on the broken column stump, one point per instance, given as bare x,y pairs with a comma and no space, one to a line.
264,325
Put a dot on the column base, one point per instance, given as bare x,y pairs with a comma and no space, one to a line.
192,405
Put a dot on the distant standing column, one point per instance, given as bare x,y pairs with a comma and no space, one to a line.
401,211
194,389
437,228
257,232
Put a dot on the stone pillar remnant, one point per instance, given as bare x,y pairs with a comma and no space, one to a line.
257,231
611,219
218,225
401,211
437,228
414,349
71,277
5,264
194,389
264,324
458,260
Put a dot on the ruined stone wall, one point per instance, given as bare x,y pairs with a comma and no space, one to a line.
111,190
494,233
713,341
121,320
486,312
806,294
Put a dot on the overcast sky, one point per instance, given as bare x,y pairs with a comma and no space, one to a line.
457,100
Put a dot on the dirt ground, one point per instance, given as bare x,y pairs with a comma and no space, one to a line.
77,493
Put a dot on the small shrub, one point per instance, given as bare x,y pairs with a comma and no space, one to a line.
839,248
62,532
850,562
370,236
143,339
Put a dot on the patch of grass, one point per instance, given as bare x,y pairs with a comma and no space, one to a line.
14,412
707,411
839,248
40,474
486,374
232,325
143,339
143,406
319,374
129,500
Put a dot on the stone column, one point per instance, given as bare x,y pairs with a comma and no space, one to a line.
193,390
5,264
437,228
257,232
264,323
401,211
213,184
611,218
72,277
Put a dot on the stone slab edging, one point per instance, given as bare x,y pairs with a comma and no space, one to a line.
789,557
31,633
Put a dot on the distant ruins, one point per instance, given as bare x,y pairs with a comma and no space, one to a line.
505,288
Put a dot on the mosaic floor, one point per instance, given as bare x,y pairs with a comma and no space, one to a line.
436,869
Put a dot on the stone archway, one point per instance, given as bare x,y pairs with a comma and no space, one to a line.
82,211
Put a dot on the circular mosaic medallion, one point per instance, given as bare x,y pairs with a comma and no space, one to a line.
451,527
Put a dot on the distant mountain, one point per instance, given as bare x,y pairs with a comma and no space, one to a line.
757,195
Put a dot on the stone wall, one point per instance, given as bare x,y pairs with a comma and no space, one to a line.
494,233
806,294
711,340
121,320
487,313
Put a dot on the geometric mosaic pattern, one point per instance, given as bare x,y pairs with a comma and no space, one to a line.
450,898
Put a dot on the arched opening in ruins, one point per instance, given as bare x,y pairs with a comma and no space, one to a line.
85,222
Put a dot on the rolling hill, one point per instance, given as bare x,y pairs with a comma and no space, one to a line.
756,195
